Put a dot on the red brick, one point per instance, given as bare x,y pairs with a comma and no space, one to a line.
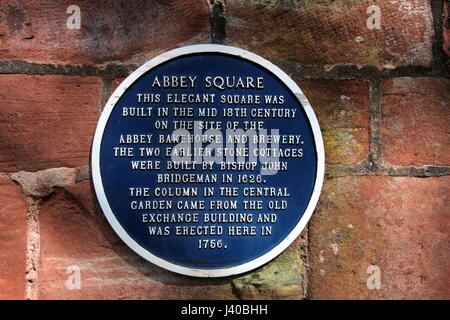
333,32
115,83
47,121
13,242
110,30
399,224
415,121
342,108
73,232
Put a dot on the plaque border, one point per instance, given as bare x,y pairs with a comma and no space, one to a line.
98,183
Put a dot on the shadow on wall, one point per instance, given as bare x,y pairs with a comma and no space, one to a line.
74,231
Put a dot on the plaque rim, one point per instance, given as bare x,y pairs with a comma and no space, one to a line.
98,183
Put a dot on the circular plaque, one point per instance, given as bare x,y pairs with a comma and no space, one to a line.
208,161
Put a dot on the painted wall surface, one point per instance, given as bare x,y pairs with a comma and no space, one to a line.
376,73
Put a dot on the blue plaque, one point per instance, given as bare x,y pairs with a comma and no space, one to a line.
208,161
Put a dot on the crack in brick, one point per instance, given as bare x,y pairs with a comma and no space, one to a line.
426,171
33,250
296,70
217,21
375,156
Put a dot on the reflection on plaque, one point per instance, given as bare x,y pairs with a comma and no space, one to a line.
208,161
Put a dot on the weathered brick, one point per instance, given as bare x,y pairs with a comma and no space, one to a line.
110,30
400,224
415,121
75,233
47,121
40,184
284,278
333,32
342,108
13,241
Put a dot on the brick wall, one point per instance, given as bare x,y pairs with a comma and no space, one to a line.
381,94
